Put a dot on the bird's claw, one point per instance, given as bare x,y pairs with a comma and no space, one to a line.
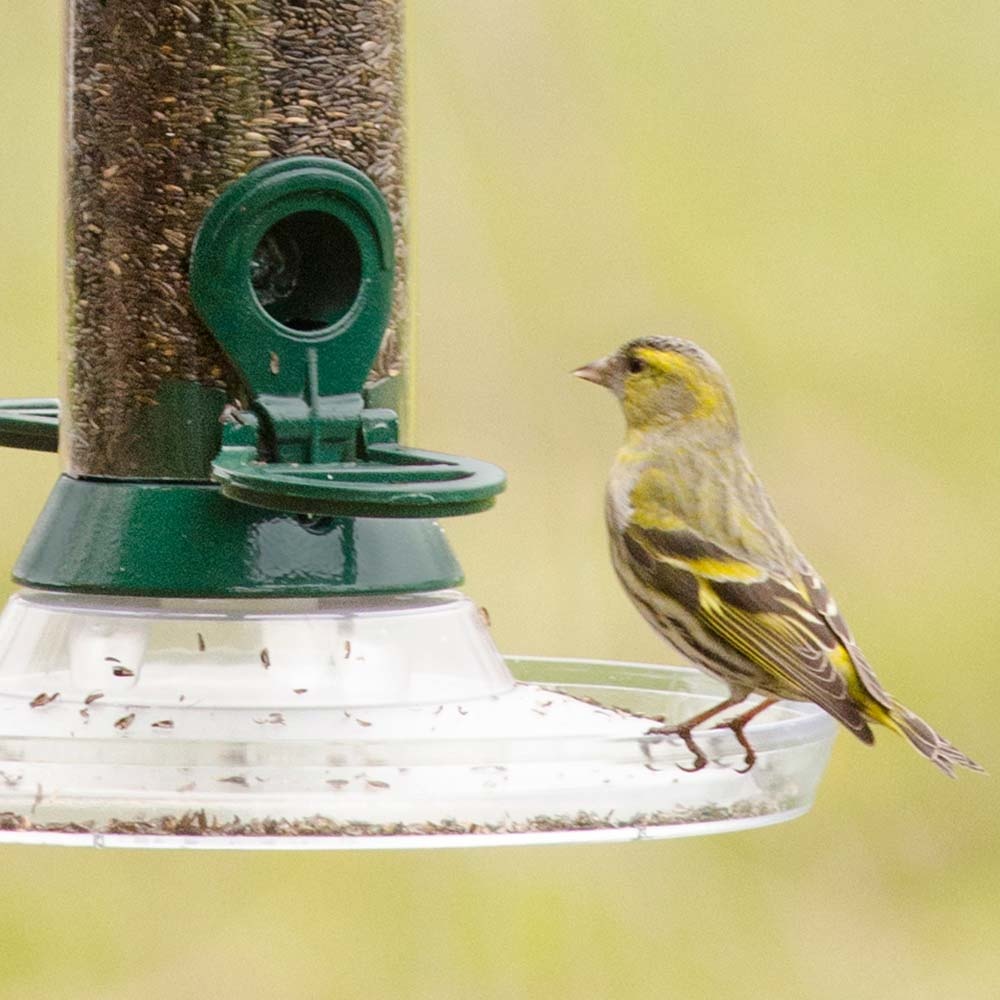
750,755
700,760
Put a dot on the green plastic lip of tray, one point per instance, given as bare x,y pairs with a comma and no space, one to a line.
292,271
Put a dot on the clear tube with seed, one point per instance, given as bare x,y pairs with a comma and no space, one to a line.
170,103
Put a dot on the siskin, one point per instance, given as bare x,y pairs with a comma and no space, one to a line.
699,549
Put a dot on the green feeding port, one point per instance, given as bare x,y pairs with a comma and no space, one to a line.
292,272
316,238
306,271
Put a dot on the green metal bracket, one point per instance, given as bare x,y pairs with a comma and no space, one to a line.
292,271
29,423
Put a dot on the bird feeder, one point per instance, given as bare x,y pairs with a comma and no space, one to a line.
238,623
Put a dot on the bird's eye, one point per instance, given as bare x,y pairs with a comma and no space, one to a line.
635,365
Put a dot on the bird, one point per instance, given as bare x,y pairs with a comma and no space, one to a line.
697,546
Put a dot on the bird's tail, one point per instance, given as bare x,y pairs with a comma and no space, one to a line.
931,744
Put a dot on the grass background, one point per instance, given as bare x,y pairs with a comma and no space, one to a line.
810,190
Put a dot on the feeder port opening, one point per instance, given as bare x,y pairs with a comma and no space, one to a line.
306,271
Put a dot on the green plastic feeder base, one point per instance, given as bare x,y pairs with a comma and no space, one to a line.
188,540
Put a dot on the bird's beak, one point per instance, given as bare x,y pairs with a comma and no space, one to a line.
596,372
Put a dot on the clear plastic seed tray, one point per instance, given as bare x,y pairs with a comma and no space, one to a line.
333,723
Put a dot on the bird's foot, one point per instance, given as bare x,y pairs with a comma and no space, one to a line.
737,726
684,732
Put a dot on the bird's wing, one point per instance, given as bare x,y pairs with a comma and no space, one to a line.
825,605
764,616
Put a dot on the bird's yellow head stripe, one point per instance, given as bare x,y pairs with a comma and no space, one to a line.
707,394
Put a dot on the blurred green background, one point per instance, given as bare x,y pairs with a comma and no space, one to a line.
811,191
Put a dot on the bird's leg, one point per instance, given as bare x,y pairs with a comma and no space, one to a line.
684,731
696,720
738,724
